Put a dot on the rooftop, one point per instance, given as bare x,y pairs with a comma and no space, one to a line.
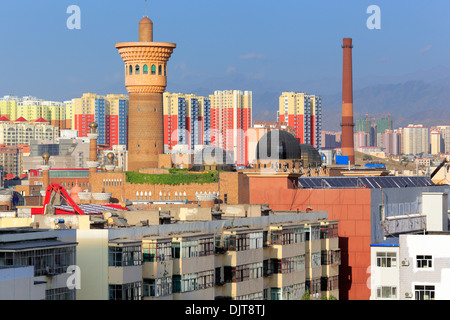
364,182
389,242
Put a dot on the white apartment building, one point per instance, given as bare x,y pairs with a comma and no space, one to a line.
414,266
21,131
415,140
34,264
246,256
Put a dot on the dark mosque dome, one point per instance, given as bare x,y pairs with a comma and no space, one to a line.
310,156
278,145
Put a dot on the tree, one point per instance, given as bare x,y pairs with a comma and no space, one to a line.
306,295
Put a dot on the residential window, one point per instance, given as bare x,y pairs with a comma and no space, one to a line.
387,292
127,291
315,259
60,294
275,293
313,286
243,272
386,259
251,296
329,283
289,264
157,251
45,261
185,249
206,247
312,233
124,256
424,292
193,281
157,287
424,261
329,231
243,241
287,236
293,292
268,267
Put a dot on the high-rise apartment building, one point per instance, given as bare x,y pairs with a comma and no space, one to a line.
330,140
110,113
436,142
186,120
303,112
391,142
231,117
69,112
383,124
445,133
32,108
415,139
117,119
361,139
11,159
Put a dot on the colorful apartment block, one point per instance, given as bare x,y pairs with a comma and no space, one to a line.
186,121
303,112
110,113
231,117
32,109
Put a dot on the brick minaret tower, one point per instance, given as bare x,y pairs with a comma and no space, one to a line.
347,143
146,81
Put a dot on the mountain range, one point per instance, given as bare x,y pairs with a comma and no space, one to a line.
422,97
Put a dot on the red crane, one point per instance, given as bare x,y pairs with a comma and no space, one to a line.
54,189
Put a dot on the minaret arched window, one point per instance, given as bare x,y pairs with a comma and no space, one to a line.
137,69
165,70
160,70
145,69
153,69
131,70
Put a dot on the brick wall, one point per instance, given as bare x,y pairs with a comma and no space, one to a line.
234,184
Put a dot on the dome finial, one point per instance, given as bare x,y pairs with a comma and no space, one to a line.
145,29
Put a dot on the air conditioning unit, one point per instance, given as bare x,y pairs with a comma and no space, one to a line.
405,263
408,294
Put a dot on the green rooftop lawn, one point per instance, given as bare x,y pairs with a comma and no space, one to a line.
174,177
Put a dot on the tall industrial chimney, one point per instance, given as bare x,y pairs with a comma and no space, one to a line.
347,144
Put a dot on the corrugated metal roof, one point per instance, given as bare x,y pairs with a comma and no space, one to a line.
24,245
389,242
364,182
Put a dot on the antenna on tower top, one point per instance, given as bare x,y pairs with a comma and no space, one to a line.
146,8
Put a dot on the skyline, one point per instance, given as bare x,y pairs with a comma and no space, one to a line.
217,50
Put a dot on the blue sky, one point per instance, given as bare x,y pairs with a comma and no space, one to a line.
285,42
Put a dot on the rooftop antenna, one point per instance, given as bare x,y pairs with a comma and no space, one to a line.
146,8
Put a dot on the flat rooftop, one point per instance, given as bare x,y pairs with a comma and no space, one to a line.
363,182
389,242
